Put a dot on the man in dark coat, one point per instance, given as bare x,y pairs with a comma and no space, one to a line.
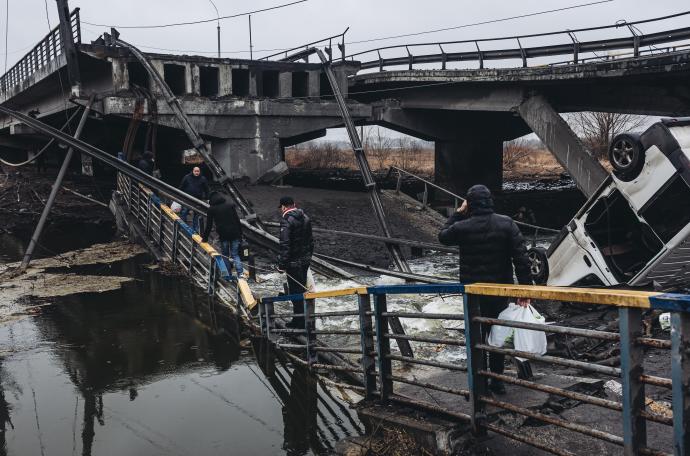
145,163
195,185
229,230
490,246
296,249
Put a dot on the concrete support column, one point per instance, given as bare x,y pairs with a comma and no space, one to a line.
314,84
254,82
285,83
120,74
460,164
563,143
160,68
196,80
224,80
247,157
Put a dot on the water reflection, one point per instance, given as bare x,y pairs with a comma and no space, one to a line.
154,368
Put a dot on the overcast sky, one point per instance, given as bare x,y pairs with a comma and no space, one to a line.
314,19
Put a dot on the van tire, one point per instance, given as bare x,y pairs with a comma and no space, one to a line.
627,156
539,265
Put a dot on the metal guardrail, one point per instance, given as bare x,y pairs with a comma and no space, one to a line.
295,52
575,48
46,51
178,242
456,198
377,378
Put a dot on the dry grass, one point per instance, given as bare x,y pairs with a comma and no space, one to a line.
327,156
520,159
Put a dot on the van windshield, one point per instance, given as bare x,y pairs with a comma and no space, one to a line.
626,242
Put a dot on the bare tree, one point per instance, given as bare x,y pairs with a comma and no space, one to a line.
515,152
409,152
598,129
378,146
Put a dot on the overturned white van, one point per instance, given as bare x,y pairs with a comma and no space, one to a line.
635,230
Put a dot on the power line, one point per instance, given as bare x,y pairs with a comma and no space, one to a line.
492,21
202,21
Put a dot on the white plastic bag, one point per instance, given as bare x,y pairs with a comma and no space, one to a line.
527,340
175,207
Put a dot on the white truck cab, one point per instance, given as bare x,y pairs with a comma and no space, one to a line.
635,230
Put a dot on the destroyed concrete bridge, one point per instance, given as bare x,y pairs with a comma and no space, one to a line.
250,110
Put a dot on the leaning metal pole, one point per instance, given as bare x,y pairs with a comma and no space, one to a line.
53,192
363,165
372,189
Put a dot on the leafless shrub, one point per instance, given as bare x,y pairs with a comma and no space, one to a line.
378,146
515,152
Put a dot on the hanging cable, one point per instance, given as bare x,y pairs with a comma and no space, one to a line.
50,143
202,21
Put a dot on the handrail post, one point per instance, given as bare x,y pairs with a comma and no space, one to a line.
262,318
425,197
191,255
269,324
476,361
310,326
175,239
632,354
398,183
480,54
383,347
680,375
367,344
211,275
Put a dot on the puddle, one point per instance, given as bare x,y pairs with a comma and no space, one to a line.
154,367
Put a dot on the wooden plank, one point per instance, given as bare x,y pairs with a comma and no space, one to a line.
246,293
335,293
607,296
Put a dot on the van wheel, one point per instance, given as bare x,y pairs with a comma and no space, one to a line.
626,156
539,265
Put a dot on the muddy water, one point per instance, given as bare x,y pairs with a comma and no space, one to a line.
154,368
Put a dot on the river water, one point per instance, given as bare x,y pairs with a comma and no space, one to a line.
154,368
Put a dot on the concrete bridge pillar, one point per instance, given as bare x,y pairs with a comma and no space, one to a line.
247,157
563,143
476,159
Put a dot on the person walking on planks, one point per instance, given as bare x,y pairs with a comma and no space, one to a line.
195,185
490,246
229,230
296,249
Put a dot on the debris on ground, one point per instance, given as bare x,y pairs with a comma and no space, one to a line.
53,277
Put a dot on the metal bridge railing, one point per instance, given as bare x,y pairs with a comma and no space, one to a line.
374,370
455,197
46,51
575,48
180,244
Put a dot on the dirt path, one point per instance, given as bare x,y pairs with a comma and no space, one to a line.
349,211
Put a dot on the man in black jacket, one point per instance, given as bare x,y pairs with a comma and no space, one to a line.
490,246
145,163
195,185
229,230
296,249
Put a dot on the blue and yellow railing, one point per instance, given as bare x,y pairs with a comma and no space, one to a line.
377,378
182,245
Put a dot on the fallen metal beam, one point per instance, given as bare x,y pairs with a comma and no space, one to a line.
387,272
370,184
373,237
53,192
363,164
